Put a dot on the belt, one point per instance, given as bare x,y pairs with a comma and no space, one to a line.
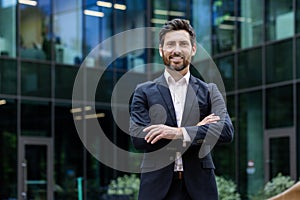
178,175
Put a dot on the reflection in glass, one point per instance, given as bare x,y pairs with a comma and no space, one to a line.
36,170
35,118
298,58
279,107
68,153
250,68
279,62
8,30
8,76
250,142
226,68
279,19
279,156
35,30
8,149
225,155
35,79
250,23
223,26
64,81
67,31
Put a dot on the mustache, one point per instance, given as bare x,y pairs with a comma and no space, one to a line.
176,55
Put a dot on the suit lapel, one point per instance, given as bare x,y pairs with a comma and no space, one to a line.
190,99
165,93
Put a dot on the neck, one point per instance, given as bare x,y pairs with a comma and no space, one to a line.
177,75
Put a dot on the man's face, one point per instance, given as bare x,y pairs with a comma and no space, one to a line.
177,51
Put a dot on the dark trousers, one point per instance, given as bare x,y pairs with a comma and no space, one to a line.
177,190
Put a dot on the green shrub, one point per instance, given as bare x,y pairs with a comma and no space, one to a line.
277,185
125,185
227,189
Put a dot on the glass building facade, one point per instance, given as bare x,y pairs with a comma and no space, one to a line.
43,43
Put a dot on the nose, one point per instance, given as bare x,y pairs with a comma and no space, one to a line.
177,48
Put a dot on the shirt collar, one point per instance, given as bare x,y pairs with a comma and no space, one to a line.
168,77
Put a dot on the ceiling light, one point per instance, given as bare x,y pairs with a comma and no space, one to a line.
2,102
120,6
171,13
93,13
158,21
28,2
104,4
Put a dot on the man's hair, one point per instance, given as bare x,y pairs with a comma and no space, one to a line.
176,25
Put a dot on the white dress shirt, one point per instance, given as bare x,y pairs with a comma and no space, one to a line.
178,91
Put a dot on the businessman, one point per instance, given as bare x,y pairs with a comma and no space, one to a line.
175,120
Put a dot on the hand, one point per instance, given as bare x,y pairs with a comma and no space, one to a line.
157,132
212,118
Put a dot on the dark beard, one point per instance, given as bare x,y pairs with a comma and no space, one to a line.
173,68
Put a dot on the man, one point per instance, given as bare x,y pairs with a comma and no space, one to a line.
175,120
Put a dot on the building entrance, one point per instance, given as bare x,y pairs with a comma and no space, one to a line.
35,168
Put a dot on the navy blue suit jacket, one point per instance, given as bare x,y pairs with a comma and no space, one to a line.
152,104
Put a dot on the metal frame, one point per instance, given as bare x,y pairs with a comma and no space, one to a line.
48,142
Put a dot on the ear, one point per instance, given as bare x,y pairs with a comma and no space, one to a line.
160,51
194,49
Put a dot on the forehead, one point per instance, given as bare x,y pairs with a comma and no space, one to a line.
180,35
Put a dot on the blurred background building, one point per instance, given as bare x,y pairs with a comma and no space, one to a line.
43,43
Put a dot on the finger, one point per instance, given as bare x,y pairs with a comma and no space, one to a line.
157,138
152,133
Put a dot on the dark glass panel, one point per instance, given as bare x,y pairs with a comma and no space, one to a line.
35,79
226,68
68,153
251,141
35,118
279,62
249,68
279,107
279,156
64,81
225,155
8,76
8,149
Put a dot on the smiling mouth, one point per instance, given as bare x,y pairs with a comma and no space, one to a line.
176,58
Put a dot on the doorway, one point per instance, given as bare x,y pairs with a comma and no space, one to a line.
280,153
35,168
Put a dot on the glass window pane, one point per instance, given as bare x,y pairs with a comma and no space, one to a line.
201,21
35,29
297,16
223,26
279,62
279,107
64,81
68,153
298,127
8,28
8,149
250,68
225,155
251,135
279,156
35,118
8,76
35,79
226,68
298,58
67,31
279,19
250,23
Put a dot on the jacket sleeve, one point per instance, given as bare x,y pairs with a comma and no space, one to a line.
220,132
139,119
